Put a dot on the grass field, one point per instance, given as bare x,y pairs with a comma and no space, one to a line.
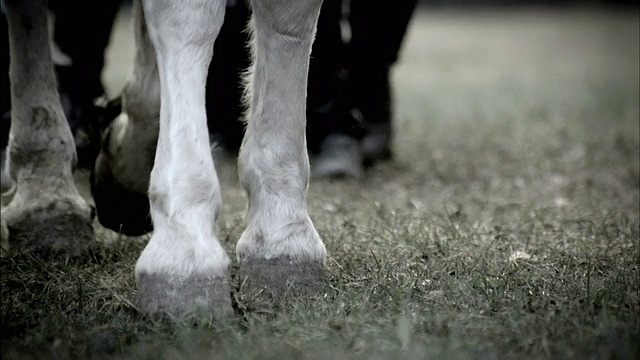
507,227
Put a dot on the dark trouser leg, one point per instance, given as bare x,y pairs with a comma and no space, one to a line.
328,108
377,32
333,133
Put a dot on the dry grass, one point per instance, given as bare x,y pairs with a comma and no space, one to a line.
507,228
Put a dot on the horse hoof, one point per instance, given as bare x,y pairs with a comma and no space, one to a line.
54,229
183,298
283,275
117,208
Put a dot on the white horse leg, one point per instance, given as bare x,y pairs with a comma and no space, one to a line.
280,244
120,179
46,213
183,266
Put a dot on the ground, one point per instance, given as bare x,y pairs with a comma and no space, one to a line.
507,227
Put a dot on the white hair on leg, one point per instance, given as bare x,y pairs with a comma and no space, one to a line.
46,212
280,240
183,264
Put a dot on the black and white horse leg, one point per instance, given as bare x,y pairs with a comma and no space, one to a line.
120,178
46,213
183,266
280,245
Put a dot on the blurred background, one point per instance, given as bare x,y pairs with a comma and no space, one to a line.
476,3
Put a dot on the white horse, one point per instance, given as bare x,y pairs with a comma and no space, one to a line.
183,265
